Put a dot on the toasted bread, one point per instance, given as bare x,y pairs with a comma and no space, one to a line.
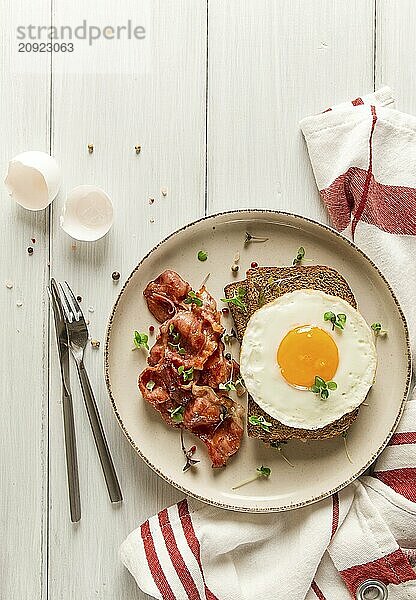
264,284
240,317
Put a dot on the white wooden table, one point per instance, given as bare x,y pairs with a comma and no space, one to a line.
214,103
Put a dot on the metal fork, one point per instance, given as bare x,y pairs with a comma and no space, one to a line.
78,339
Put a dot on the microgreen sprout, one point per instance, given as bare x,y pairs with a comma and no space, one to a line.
279,448
176,414
192,298
187,374
344,437
150,385
378,329
260,421
224,414
261,473
337,321
176,340
237,299
323,387
229,337
249,238
202,255
228,386
140,340
190,462
300,255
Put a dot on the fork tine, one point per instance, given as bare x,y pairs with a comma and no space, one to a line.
69,315
74,302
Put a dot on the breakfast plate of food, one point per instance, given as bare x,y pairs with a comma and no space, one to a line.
271,360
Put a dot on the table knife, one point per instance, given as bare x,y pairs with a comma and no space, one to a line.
67,406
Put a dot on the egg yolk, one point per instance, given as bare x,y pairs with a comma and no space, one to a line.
305,352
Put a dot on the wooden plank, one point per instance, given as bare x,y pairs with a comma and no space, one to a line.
23,368
271,64
160,105
395,50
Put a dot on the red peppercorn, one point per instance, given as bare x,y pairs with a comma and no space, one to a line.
254,265
225,311
151,328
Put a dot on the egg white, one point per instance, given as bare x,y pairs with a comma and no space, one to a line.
292,406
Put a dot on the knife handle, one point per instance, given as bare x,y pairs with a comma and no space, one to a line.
107,464
71,458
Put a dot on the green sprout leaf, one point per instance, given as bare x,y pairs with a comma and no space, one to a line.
237,299
140,340
337,321
300,254
319,382
322,387
176,340
228,386
192,298
378,329
150,385
202,256
263,471
177,414
186,374
260,421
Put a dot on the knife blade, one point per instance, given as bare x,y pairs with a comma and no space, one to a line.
67,406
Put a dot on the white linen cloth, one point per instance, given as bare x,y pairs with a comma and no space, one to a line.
364,156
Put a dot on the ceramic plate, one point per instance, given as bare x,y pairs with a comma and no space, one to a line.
320,467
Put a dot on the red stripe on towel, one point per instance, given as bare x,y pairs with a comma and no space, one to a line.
364,197
408,437
335,514
393,568
318,593
193,542
154,564
357,101
403,481
176,557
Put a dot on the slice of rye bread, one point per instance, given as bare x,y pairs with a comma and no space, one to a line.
270,283
240,317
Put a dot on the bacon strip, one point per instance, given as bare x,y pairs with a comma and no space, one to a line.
191,338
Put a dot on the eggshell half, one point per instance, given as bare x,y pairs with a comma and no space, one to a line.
87,214
33,179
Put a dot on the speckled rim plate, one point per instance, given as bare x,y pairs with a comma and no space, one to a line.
320,467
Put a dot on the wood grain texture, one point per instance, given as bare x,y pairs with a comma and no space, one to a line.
271,64
23,364
396,50
160,106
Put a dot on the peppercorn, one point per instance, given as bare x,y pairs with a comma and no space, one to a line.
254,265
115,275
79,298
30,250
151,329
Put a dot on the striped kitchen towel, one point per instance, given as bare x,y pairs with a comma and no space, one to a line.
326,551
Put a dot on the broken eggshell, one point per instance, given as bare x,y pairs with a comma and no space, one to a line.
87,214
33,179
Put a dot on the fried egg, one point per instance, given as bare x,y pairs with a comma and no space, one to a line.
288,343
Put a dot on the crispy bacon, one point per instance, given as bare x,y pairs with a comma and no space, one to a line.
165,294
190,337
226,439
194,335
